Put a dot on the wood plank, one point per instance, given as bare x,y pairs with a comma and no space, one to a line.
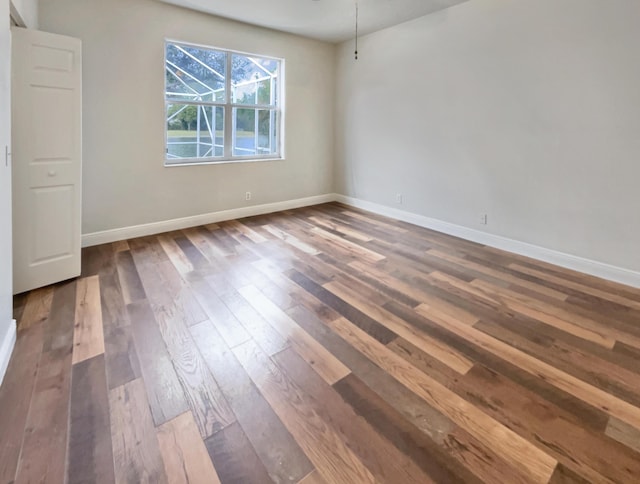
136,454
382,459
184,454
330,455
120,246
291,240
219,314
322,361
450,357
44,448
165,394
578,410
341,228
408,438
58,332
235,458
15,398
606,295
354,249
536,420
130,283
176,256
251,234
596,397
518,451
203,395
37,307
357,317
88,336
624,433
262,332
499,274
502,296
193,254
90,457
282,457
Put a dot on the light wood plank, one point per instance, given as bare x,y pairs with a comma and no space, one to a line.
248,232
186,460
351,247
37,307
88,335
291,240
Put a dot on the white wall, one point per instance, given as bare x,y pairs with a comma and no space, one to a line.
526,110
125,182
7,327
25,12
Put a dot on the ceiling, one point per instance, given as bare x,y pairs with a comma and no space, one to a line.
328,20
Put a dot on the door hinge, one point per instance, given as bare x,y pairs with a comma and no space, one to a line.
7,155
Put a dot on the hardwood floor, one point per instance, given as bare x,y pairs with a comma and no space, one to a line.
322,345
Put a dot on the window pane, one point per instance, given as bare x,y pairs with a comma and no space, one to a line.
255,132
194,131
267,134
244,132
253,79
195,74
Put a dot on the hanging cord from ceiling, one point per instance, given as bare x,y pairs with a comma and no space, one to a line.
356,52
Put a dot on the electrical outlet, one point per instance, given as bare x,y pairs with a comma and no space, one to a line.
399,198
483,219
247,196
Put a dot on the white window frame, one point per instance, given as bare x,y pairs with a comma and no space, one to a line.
229,129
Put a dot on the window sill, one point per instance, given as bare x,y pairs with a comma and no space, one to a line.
221,162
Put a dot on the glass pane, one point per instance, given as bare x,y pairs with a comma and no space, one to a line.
253,79
255,132
195,74
194,131
267,134
244,133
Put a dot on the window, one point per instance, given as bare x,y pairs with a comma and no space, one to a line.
221,105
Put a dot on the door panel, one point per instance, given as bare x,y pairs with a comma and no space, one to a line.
47,153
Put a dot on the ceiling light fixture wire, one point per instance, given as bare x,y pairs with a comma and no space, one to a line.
356,52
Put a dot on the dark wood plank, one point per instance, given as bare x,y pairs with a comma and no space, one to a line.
234,458
130,282
90,458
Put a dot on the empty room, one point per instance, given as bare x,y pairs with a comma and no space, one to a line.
319,241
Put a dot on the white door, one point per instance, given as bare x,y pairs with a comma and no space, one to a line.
47,157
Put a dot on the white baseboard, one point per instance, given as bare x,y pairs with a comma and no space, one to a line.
594,268
124,233
7,344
